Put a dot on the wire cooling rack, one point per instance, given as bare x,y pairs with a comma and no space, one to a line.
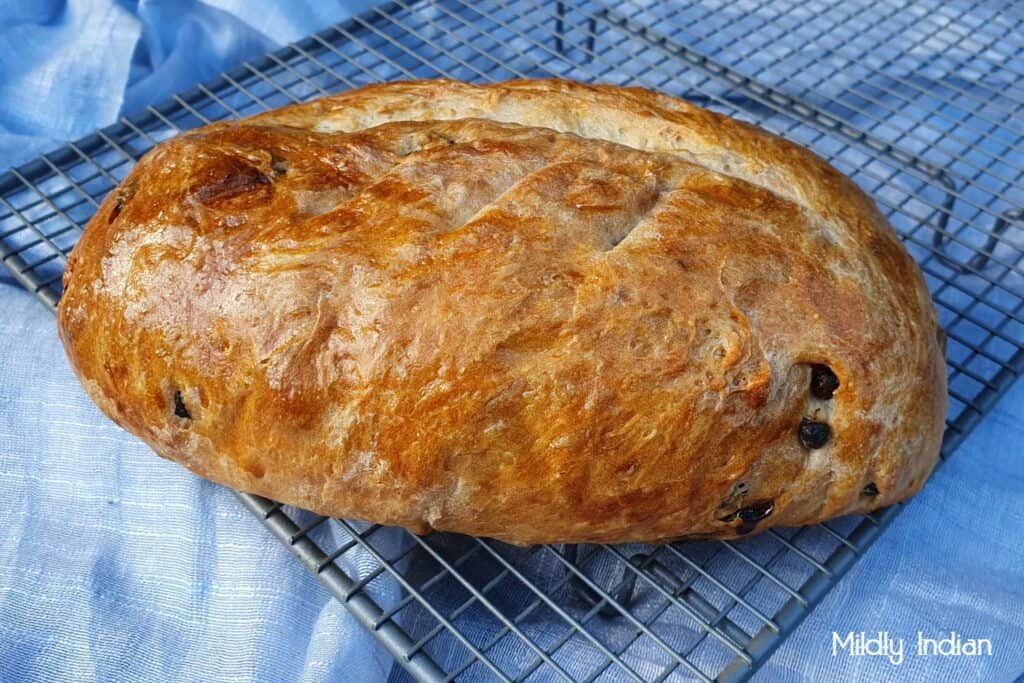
919,103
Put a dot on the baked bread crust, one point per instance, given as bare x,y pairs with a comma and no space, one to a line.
537,311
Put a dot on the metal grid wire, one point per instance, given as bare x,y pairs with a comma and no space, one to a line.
942,157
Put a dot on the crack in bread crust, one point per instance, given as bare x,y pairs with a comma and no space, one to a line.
538,311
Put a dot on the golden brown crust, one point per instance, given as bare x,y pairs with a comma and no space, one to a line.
538,311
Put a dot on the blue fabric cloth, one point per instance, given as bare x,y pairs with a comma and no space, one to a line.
67,68
116,565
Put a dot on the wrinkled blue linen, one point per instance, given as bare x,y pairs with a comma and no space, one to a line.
117,565
67,68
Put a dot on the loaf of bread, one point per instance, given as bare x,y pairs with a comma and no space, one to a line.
537,311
